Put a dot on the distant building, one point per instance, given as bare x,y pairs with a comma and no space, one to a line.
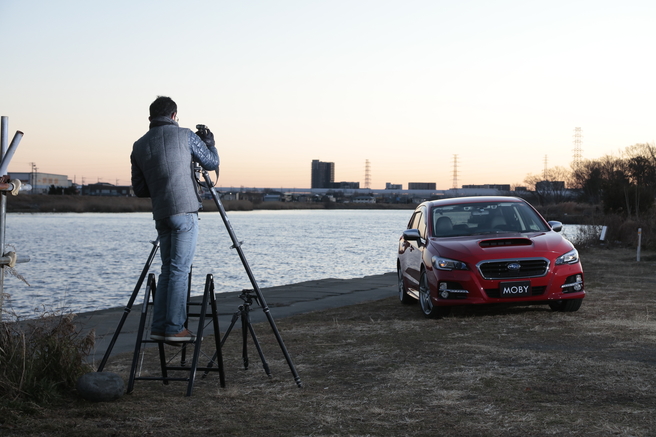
323,174
345,185
390,186
500,187
364,199
421,185
41,182
271,197
550,186
106,189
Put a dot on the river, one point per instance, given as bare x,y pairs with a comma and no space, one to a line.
86,262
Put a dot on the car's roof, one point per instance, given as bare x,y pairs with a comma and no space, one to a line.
472,199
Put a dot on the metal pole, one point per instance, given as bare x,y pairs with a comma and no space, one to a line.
639,243
9,152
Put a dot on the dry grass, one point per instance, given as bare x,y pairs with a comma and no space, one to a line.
382,369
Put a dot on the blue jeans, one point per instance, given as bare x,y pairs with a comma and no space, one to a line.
177,238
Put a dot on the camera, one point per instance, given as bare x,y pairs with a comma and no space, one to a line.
201,129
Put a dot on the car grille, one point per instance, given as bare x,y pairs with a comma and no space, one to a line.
495,294
528,268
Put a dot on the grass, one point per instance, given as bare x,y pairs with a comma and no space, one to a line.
381,369
40,360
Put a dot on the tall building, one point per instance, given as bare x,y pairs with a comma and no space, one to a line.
323,174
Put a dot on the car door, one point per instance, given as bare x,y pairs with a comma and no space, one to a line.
414,248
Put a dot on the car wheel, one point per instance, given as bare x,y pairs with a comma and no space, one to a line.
426,303
403,293
566,306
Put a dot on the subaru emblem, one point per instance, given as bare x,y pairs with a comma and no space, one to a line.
514,267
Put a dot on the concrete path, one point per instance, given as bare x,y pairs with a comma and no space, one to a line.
283,301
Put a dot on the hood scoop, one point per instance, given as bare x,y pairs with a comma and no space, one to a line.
502,242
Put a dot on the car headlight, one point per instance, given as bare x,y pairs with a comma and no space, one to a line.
448,264
571,257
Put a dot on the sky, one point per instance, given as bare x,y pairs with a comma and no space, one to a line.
409,86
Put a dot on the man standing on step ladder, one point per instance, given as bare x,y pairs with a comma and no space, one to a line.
162,169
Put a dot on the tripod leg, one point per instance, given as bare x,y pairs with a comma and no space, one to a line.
128,307
217,338
265,365
244,336
150,287
235,317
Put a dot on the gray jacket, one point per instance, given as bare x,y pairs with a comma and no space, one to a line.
162,167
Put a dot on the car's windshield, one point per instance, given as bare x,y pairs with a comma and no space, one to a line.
485,218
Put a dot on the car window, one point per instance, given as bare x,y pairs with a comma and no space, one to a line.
484,218
417,222
421,224
411,223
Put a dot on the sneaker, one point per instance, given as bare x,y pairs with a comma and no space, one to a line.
157,336
181,337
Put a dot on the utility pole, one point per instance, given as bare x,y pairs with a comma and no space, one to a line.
33,177
577,147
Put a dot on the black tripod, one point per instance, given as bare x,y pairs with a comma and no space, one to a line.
247,297
243,313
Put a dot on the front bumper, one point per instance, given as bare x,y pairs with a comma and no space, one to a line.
467,287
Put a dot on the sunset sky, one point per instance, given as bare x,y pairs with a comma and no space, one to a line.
404,84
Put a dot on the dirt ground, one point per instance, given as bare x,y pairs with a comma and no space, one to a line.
381,369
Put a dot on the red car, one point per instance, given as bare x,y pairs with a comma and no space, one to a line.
486,250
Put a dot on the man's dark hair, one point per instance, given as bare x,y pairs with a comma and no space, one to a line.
163,107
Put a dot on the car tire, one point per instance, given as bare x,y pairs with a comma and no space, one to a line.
566,305
426,303
404,297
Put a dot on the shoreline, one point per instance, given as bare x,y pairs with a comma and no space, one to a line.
81,204
282,301
568,213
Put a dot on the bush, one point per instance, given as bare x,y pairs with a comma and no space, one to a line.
41,360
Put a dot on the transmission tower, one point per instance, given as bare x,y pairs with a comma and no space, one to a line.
455,172
577,147
367,175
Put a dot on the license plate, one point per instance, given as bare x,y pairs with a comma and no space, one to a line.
515,289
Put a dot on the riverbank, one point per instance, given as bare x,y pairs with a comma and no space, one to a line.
66,203
380,368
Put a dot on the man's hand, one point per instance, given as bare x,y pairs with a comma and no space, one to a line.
207,136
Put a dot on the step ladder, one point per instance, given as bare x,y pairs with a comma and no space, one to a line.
203,310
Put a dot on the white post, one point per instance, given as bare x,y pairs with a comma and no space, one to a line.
4,137
639,243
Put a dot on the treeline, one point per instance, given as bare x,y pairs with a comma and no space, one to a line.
624,184
621,187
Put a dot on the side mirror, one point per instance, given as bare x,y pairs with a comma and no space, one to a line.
556,225
411,235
